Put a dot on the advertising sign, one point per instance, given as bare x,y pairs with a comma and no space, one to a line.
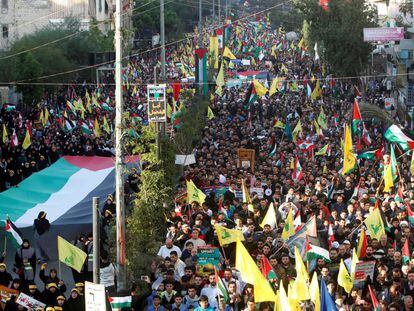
157,111
383,34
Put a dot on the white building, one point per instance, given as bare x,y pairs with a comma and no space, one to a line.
20,17
388,11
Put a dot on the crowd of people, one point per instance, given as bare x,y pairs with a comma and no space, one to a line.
339,203
297,135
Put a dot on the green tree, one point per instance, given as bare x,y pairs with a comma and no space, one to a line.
28,68
339,32
55,48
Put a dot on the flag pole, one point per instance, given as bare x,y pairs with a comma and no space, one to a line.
5,236
59,268
5,244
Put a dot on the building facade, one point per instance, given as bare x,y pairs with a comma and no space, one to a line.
21,17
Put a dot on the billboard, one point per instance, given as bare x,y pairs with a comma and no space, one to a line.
383,34
157,109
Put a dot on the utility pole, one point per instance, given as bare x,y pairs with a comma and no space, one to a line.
162,22
119,158
214,11
200,28
219,11
227,9
157,125
96,239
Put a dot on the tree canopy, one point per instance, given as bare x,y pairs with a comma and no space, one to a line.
339,32
50,50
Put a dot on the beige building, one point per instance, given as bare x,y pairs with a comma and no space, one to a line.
20,17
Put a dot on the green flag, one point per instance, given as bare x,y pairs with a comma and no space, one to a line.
70,255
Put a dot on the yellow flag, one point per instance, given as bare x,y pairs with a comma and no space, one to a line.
298,129
314,292
227,53
300,265
210,114
288,228
220,76
194,194
279,124
106,126
354,261
284,69
349,156
388,178
88,102
227,236
260,89
41,117
96,129
70,255
374,224
344,279
273,86
300,290
362,243
246,197
251,274
282,302
27,141
317,128
270,217
322,120
4,134
300,45
214,50
46,117
412,164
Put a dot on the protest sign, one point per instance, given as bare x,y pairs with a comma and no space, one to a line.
29,302
363,269
208,258
94,297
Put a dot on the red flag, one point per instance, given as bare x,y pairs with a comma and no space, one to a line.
324,4
375,303
356,112
267,269
379,153
176,90
405,252
362,245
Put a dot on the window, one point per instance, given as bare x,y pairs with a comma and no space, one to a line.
4,4
5,31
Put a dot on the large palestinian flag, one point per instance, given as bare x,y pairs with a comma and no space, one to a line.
64,191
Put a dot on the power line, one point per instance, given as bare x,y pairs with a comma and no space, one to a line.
207,83
152,49
76,33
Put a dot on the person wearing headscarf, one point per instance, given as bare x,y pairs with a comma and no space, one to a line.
25,262
41,226
5,277
51,278
50,294
75,302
